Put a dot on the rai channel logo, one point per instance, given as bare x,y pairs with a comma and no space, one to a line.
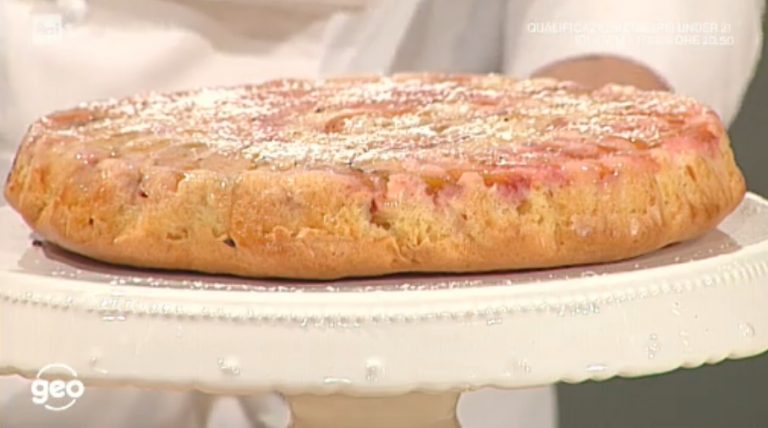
56,387
47,28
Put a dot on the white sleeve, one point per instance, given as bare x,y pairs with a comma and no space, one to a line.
707,49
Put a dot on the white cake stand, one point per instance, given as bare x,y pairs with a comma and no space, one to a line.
392,351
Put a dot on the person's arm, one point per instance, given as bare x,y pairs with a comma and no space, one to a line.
707,49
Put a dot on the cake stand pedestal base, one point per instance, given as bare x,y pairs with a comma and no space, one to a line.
422,410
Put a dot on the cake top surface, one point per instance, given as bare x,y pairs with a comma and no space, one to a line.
374,123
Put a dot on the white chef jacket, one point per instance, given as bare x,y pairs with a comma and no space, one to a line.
54,54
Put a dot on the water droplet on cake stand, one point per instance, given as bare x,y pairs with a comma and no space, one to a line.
494,321
228,366
746,329
373,370
517,365
653,346
676,309
331,380
684,338
596,368
93,362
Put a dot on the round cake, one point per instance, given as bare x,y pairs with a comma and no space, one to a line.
360,176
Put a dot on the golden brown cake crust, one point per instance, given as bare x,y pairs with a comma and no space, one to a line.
370,175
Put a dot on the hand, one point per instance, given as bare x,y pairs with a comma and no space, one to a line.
596,71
